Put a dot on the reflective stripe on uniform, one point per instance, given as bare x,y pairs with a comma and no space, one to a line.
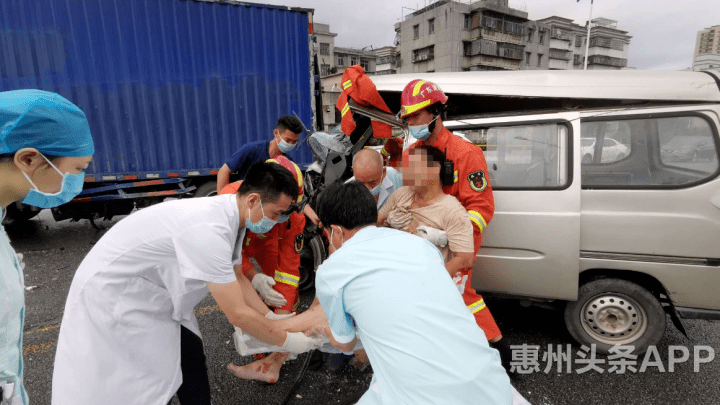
297,304
347,84
409,109
345,109
286,278
478,220
477,306
456,176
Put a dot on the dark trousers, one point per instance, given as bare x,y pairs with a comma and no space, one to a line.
195,388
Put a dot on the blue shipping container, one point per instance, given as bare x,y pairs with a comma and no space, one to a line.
169,86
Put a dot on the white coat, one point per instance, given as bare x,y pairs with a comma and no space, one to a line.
120,335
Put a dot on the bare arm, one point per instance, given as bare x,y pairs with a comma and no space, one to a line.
345,347
223,177
459,261
231,300
312,215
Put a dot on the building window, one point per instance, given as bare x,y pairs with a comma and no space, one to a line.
530,34
541,37
467,48
431,26
540,60
340,61
416,31
353,60
527,58
423,54
324,49
468,22
324,70
365,64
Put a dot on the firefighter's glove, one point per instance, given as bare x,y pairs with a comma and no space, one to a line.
435,236
298,343
399,218
263,284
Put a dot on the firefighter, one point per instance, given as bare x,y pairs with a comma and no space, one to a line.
422,104
271,261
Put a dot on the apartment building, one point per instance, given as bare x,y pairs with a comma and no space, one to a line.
456,35
707,49
558,43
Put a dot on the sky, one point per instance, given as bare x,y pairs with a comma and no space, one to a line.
663,31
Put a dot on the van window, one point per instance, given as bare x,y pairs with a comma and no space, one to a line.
648,152
523,157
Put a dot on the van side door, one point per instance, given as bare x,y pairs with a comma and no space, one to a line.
531,247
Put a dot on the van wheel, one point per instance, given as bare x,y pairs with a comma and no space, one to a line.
208,189
612,312
586,159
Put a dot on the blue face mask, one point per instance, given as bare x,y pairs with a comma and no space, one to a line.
72,185
284,146
283,218
375,191
262,226
421,132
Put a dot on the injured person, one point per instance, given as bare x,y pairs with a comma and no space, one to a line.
423,209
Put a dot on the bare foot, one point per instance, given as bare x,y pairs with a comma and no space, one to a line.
267,369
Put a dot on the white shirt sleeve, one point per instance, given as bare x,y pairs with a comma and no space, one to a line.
204,252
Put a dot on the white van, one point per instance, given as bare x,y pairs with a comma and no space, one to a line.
606,190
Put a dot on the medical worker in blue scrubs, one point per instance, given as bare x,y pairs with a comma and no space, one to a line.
45,147
422,341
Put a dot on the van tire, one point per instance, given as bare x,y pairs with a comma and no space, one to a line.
586,159
208,189
611,311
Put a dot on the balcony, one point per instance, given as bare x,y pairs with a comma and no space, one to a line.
560,54
578,60
507,27
423,54
556,33
493,48
607,61
609,43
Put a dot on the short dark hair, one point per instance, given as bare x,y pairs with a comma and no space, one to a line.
289,122
350,205
8,157
433,154
269,180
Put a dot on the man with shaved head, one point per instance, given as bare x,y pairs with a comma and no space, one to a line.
369,170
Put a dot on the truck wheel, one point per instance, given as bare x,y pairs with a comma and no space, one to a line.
311,256
612,312
208,189
586,159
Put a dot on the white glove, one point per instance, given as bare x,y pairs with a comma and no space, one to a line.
263,284
277,317
399,218
435,236
298,343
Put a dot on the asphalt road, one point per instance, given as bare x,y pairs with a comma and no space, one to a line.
54,250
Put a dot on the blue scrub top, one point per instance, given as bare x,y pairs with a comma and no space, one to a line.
391,288
248,155
12,316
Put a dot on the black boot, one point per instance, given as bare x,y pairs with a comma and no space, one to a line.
505,353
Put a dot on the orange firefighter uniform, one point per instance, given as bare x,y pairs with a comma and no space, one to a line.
357,86
277,253
471,187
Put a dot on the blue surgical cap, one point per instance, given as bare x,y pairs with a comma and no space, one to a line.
45,121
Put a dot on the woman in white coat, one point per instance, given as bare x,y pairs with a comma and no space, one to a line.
128,334
45,145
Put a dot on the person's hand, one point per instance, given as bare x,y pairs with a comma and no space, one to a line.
435,236
298,343
263,284
399,218
278,317
312,216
